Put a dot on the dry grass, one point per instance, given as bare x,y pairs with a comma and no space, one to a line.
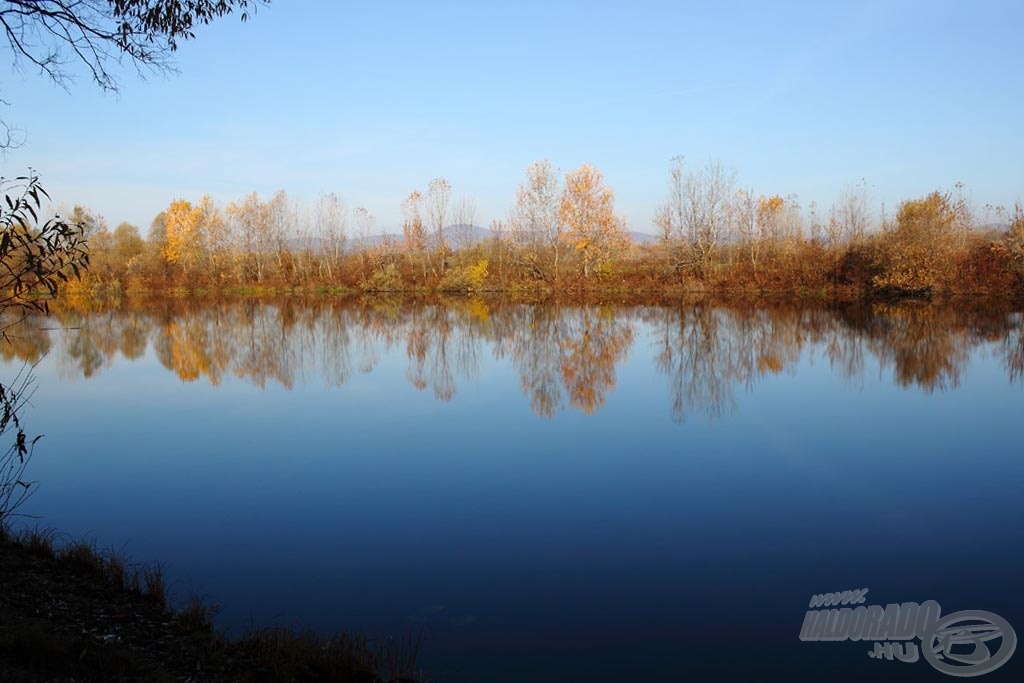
287,655
154,586
41,541
84,554
114,565
196,616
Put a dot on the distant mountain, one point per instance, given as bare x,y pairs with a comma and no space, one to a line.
457,236
370,241
463,234
642,238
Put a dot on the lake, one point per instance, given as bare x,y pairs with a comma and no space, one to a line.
544,492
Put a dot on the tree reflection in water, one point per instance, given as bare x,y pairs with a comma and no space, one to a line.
565,356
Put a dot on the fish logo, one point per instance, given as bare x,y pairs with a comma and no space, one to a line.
959,644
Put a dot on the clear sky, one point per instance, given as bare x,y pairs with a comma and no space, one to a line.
372,100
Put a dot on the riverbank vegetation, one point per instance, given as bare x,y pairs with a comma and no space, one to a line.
563,234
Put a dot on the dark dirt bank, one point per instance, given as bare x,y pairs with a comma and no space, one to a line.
73,614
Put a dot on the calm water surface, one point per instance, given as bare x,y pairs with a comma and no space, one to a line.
592,493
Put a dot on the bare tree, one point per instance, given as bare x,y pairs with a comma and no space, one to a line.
708,191
745,217
791,221
671,217
261,228
534,224
331,224
849,218
365,223
439,194
697,211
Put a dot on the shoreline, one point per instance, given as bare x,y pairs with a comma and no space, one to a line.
70,612
561,296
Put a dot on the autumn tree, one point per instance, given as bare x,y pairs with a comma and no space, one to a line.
116,255
414,234
185,245
592,230
770,220
127,243
918,250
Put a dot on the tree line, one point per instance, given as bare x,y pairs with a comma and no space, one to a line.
563,233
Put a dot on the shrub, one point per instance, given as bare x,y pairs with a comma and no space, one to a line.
466,279
385,279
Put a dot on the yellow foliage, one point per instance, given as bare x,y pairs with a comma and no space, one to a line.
466,279
477,273
183,228
587,210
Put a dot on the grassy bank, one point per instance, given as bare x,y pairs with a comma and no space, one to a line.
72,612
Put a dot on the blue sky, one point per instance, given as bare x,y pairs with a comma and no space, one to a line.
372,100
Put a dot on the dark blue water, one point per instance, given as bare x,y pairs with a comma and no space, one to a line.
547,493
